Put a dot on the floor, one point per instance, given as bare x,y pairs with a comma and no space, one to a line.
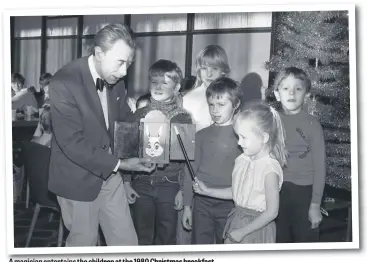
45,235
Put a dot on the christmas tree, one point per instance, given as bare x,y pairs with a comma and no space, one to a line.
318,43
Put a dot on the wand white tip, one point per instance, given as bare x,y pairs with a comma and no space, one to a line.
176,130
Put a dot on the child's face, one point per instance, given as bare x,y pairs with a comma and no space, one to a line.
208,74
16,87
163,88
221,109
251,142
45,89
291,93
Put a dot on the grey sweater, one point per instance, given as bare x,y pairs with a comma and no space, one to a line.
306,147
216,150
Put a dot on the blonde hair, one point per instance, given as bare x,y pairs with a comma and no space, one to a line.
267,120
214,56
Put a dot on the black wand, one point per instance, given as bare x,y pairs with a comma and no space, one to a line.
185,154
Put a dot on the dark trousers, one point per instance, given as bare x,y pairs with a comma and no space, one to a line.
154,216
292,224
209,217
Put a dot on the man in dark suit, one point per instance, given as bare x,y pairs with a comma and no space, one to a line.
86,97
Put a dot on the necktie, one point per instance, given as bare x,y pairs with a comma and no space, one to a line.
100,84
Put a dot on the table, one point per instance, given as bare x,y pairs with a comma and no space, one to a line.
25,123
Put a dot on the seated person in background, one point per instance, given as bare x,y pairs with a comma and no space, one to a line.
21,97
45,132
143,101
42,95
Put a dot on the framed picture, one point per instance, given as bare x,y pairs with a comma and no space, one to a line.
154,138
155,141
127,137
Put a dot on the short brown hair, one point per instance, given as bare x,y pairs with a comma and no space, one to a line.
17,78
225,85
163,66
110,34
297,73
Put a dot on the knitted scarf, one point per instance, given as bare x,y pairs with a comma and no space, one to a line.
170,108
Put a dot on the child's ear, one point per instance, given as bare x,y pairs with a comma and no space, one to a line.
177,88
277,96
265,137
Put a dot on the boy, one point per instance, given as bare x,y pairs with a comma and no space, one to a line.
215,152
304,176
21,97
157,197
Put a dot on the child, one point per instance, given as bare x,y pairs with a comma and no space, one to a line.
304,176
21,96
46,129
211,63
158,196
215,152
257,176
44,82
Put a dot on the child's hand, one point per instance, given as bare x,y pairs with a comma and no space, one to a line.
130,193
200,188
179,200
314,215
187,218
236,235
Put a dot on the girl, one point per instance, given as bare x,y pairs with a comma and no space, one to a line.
257,176
211,63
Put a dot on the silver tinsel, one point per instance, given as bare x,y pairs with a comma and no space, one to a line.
321,37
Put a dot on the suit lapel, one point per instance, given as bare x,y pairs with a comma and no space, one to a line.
112,108
115,98
93,95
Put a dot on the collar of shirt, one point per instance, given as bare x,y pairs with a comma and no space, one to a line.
92,69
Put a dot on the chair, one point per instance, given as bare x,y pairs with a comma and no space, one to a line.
36,162
338,204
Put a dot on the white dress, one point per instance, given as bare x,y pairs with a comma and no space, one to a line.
196,104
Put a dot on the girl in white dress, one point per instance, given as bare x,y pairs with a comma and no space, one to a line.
211,63
257,176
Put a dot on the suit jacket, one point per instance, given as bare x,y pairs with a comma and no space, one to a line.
80,161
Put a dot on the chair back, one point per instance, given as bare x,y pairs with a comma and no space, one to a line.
36,162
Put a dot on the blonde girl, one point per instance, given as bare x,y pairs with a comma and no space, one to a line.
211,63
257,176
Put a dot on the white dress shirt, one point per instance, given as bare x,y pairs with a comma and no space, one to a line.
102,97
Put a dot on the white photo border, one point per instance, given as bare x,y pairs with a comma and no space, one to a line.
180,248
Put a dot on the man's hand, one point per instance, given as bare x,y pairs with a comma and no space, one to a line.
137,164
130,193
